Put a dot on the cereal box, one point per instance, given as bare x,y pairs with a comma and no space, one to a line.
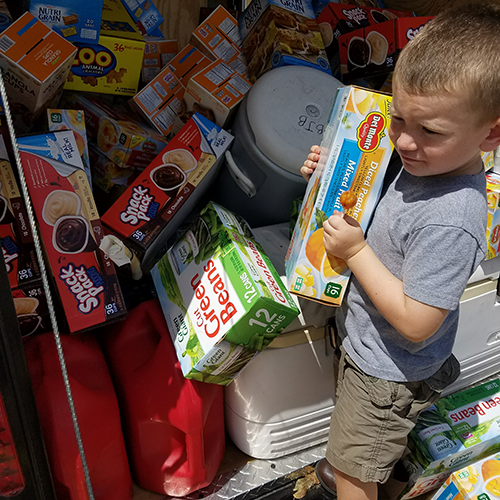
112,64
493,226
214,92
373,50
478,481
118,136
218,37
355,152
145,15
459,430
158,52
33,78
276,33
221,296
71,229
160,101
15,232
178,175
338,19
72,119
74,21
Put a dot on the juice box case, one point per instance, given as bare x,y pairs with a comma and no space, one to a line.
355,152
71,229
18,248
113,63
221,296
459,430
187,63
118,136
158,52
160,191
72,119
75,21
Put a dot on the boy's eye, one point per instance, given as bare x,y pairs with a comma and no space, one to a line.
429,131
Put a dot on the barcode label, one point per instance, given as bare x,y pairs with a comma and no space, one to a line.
5,43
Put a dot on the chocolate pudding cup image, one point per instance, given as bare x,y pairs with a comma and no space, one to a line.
182,158
169,178
6,216
72,235
29,323
379,17
359,51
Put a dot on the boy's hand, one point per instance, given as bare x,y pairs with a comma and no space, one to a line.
343,236
311,163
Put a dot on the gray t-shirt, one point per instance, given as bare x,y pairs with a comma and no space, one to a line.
429,232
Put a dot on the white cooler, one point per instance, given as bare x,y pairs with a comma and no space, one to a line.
279,119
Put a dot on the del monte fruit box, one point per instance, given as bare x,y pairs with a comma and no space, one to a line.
221,296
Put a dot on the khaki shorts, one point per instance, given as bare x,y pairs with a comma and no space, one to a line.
372,418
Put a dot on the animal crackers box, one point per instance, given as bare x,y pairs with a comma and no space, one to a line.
112,64
355,152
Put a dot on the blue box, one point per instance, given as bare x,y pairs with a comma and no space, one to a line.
74,20
145,15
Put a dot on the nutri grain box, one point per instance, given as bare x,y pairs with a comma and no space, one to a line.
70,229
221,296
355,152
180,174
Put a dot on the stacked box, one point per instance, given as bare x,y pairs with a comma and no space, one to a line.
222,298
73,20
276,33
113,64
355,152
71,229
158,52
145,15
459,430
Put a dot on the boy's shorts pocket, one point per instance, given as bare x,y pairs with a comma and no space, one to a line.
381,392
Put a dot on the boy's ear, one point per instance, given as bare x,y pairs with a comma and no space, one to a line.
492,141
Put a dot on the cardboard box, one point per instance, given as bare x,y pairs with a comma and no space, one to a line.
118,136
74,21
71,229
113,64
355,152
374,50
478,481
158,52
72,119
187,63
215,93
221,296
145,15
335,20
459,430
493,226
35,62
276,33
173,179
18,248
31,307
218,37
160,101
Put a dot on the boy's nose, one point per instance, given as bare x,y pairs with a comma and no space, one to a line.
406,142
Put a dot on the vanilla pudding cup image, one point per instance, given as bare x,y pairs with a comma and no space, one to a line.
25,305
379,47
182,158
169,178
359,51
72,235
58,203
326,33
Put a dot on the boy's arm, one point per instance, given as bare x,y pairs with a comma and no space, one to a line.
414,320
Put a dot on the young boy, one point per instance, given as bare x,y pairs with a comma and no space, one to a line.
399,319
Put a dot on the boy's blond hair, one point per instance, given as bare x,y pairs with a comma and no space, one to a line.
457,52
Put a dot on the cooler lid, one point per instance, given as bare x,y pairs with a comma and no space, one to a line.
287,109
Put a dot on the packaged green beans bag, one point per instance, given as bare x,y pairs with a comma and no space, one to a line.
221,296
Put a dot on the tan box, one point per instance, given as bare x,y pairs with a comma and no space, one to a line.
187,63
157,54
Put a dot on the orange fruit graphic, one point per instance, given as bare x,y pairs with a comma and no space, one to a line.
327,264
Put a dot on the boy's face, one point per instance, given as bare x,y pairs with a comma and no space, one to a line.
436,134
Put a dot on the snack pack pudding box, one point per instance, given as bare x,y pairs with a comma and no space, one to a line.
374,50
355,152
173,179
456,432
221,296
71,229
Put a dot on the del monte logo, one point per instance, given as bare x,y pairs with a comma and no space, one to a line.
371,131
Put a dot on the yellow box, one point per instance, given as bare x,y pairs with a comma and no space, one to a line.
355,152
493,226
113,66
